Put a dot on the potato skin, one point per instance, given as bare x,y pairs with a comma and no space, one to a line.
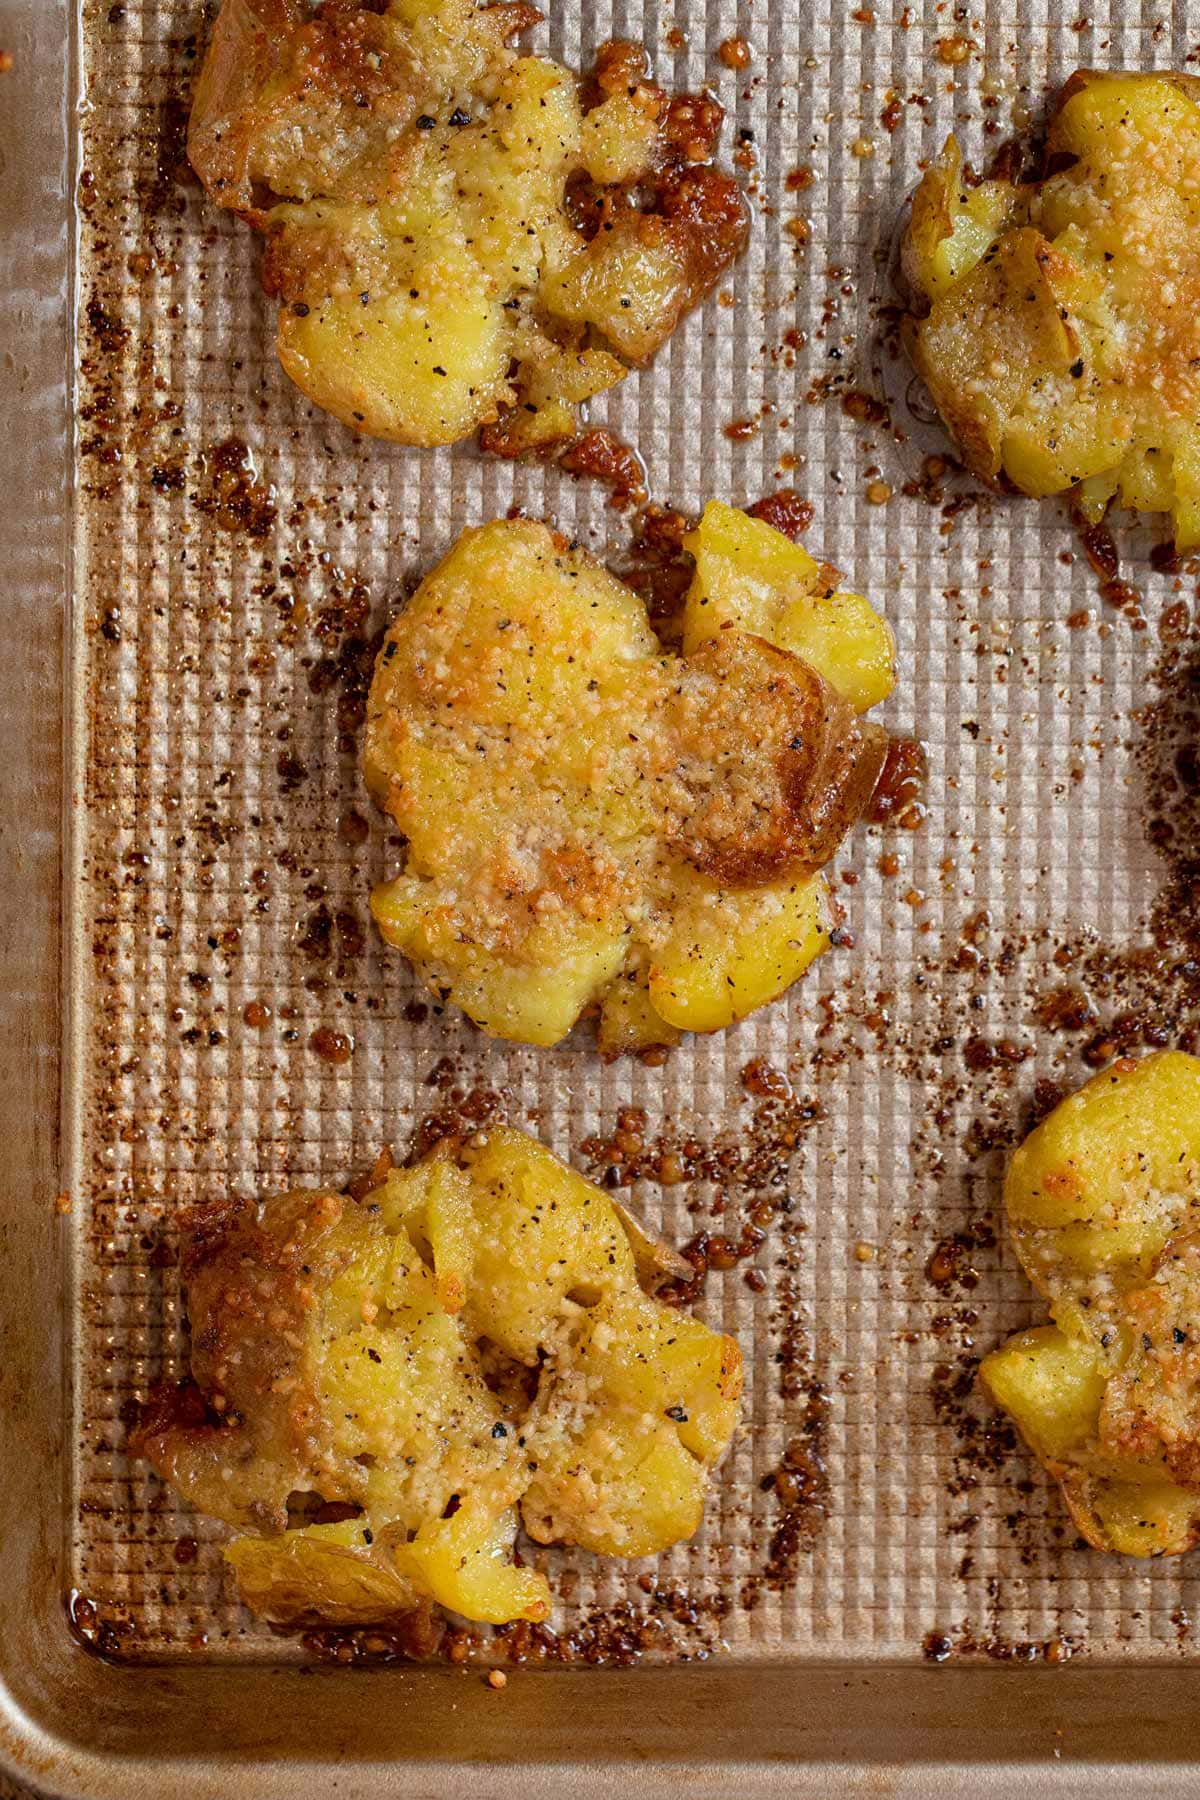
1056,325
458,236
468,1344
592,821
1103,1201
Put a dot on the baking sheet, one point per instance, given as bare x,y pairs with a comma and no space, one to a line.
215,867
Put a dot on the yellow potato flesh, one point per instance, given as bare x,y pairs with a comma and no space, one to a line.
631,1474
1103,1199
719,966
411,171
622,288
750,576
383,370
1060,343
475,1347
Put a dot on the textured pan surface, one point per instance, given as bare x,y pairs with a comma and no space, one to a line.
213,865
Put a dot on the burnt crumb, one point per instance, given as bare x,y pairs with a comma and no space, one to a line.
940,1646
1066,1008
605,458
671,1623
109,335
162,1254
292,772
930,485
171,479
658,567
234,496
1046,1096
734,52
1168,764
1165,559
332,935
764,1081
419,1636
800,1488
864,408
980,1054
331,1046
104,1631
706,1251
462,1110
950,1264
159,189
786,510
1100,548
347,665
983,1440
750,1167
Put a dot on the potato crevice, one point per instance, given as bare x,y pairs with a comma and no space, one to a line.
382,1389
592,821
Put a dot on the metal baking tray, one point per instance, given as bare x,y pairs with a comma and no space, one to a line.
195,561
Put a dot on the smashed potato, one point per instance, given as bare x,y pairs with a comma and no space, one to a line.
1103,1200
383,1388
593,821
1061,338
457,235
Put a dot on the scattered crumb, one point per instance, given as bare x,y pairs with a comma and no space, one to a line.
953,50
863,148
864,1252
6,61
496,1678
62,1203
734,52
878,493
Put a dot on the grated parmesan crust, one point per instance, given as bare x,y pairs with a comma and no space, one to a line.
581,806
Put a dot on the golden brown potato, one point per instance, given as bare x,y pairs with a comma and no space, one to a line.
594,821
1059,333
381,1388
1103,1201
456,232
